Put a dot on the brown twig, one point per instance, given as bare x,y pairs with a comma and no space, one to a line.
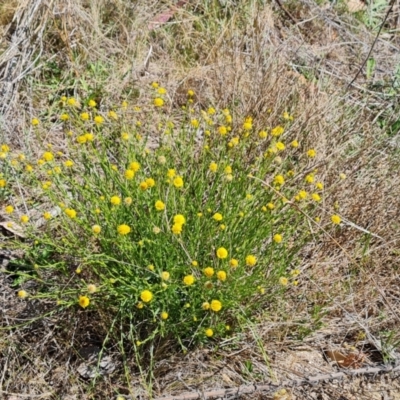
373,44
290,16
248,389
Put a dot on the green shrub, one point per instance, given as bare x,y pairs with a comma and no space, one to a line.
177,227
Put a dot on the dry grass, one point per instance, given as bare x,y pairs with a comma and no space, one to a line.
250,57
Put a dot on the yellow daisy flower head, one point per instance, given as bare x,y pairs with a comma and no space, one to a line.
143,185
48,156
35,122
251,260
47,215
216,305
150,182
178,182
129,174
294,144
165,275
221,275
158,102
188,280
177,229
208,272
96,229
217,217
83,301
9,209
222,253
164,315
24,219
179,219
233,263
70,212
283,281
205,306
146,296
22,294
311,153
213,167
336,219
277,238
159,205
123,229
115,200
98,119
279,180
209,332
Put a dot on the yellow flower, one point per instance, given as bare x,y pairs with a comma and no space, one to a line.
190,93
70,212
98,119
150,182
35,122
319,185
89,137
47,215
85,116
222,130
205,306
125,136
262,134
143,186
221,275
251,261
213,167
3,183
129,174
280,146
283,281
316,197
151,267
195,123
134,166
188,280
91,288
216,305
24,219
336,219
271,206
165,275
234,141
115,200
217,217
303,194
342,176
233,263
22,294
294,144
279,180
139,305
154,85
123,229
92,103
47,156
84,301
209,332
64,117
112,115
161,90
309,178
158,102
29,168
159,205
71,102
277,131
178,182
222,253
146,296
208,272
164,315
176,229
179,219
311,153
81,139
195,263
96,229
228,169
277,238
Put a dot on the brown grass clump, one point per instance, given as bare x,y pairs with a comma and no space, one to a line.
251,58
